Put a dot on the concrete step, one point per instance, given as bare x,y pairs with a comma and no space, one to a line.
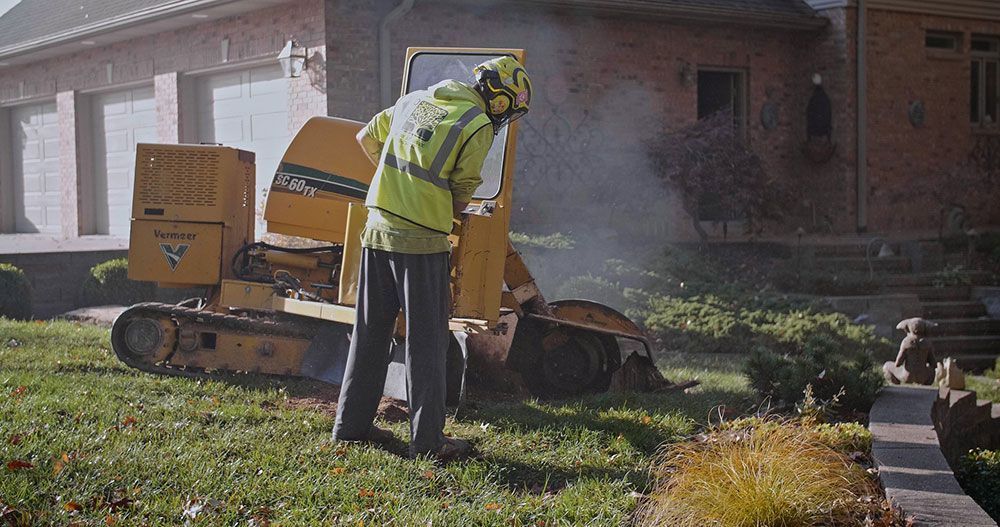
953,309
967,327
967,345
929,279
935,294
889,264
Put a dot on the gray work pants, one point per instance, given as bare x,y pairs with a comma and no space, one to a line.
388,282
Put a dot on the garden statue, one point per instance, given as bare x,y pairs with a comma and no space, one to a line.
915,362
949,375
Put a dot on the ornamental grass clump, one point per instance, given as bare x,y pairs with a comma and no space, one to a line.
775,474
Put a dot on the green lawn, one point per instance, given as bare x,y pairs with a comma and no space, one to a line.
140,449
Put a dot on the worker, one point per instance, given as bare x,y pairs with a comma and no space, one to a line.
429,150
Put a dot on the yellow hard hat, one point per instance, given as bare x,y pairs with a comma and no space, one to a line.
504,85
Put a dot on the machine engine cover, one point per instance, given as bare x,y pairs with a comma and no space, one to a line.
175,252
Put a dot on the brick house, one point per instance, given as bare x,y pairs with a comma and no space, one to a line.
82,81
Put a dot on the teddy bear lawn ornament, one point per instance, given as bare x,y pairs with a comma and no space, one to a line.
915,362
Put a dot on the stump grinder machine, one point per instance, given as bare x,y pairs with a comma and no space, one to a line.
271,309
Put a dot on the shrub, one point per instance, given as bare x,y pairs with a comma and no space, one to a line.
773,473
108,283
831,369
832,282
15,293
590,287
979,474
711,323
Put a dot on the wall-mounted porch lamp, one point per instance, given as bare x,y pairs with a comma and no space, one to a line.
292,59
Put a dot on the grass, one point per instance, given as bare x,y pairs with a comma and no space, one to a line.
769,473
108,444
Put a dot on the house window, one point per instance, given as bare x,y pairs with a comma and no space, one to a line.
943,41
984,96
723,90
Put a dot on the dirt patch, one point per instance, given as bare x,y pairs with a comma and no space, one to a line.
324,399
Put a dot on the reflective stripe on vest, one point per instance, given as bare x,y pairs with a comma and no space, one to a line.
408,197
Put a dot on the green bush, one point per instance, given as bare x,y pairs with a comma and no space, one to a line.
590,287
979,474
108,284
711,323
831,282
831,369
15,293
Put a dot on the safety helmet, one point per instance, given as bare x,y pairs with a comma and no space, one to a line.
504,86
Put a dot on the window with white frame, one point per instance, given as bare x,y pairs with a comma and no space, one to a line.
984,96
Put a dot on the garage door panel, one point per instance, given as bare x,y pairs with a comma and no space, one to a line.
35,149
143,100
49,115
119,179
267,81
144,135
269,126
119,119
256,121
228,130
116,141
51,184
227,86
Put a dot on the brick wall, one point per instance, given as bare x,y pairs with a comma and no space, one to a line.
162,59
605,87
254,35
913,170
57,278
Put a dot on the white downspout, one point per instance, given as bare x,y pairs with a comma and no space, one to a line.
862,132
385,53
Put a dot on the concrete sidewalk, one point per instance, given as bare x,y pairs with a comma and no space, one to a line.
911,466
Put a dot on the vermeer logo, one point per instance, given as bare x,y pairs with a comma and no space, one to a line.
174,253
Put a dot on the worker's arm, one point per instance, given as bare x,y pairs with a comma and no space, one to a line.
467,176
374,135
372,148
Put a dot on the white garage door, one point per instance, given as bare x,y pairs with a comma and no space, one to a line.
120,119
247,109
35,135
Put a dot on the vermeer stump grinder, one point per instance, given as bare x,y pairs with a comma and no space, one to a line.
288,311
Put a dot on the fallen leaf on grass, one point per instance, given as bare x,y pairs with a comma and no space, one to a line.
365,493
196,506
130,421
646,419
110,520
18,392
492,506
18,464
428,474
336,471
72,506
15,439
123,503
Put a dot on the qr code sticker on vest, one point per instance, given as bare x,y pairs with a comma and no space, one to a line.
424,120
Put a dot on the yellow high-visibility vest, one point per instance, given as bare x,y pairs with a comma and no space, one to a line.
423,144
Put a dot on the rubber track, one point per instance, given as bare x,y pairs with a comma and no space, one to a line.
269,325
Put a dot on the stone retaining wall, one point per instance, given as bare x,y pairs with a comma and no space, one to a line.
964,423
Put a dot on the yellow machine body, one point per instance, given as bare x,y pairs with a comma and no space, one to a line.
289,311
192,206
